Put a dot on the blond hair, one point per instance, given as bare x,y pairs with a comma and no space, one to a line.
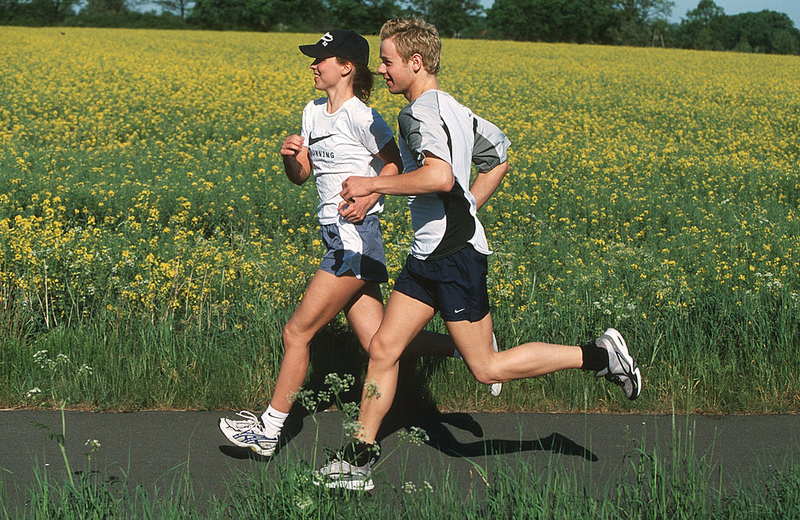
414,36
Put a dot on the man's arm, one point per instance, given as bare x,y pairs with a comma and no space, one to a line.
486,183
434,176
489,155
356,211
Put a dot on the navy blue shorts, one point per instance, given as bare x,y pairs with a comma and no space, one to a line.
454,285
355,249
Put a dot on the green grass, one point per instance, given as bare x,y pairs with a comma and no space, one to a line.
148,232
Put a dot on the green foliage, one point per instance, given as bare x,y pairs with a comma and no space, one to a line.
632,22
111,7
615,22
36,12
260,15
708,28
579,21
179,8
628,22
642,23
362,16
453,18
766,31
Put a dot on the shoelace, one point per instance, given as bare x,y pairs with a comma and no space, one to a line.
252,418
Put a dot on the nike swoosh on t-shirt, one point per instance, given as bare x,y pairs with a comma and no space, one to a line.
314,140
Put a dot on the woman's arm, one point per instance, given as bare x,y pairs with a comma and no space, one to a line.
295,159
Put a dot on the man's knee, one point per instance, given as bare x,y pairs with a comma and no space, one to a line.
486,377
487,371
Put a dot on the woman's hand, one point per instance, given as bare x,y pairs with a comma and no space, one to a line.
292,146
357,210
295,159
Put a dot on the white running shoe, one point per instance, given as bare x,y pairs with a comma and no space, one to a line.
622,369
495,388
340,474
236,425
248,433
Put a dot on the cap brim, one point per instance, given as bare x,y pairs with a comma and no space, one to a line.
313,51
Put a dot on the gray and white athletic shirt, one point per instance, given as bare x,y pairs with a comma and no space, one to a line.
444,223
342,144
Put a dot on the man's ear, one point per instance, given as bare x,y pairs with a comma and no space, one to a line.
416,62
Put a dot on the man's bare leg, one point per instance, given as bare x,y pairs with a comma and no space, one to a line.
365,313
474,342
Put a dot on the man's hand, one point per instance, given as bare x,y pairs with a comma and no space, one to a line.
486,183
358,199
356,186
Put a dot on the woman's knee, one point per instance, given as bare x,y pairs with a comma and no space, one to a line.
383,351
295,337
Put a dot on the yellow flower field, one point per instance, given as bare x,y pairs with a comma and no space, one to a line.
657,191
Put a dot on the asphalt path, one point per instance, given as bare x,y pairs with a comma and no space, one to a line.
155,448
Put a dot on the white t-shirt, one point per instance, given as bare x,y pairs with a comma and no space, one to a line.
342,144
436,123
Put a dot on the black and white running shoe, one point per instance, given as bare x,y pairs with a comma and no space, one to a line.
338,473
622,370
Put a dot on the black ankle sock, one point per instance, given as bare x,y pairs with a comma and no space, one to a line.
360,453
594,357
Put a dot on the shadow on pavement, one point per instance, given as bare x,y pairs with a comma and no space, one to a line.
441,438
335,350
414,406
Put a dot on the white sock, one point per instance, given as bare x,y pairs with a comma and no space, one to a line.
273,421
456,354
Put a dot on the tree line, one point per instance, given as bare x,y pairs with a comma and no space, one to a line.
608,22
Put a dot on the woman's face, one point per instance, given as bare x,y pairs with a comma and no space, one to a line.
328,72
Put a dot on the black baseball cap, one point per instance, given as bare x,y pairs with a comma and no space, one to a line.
348,45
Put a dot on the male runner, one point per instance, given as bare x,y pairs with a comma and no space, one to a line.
446,270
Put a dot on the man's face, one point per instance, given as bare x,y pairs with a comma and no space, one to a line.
398,74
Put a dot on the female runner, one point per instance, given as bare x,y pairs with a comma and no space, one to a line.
341,136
